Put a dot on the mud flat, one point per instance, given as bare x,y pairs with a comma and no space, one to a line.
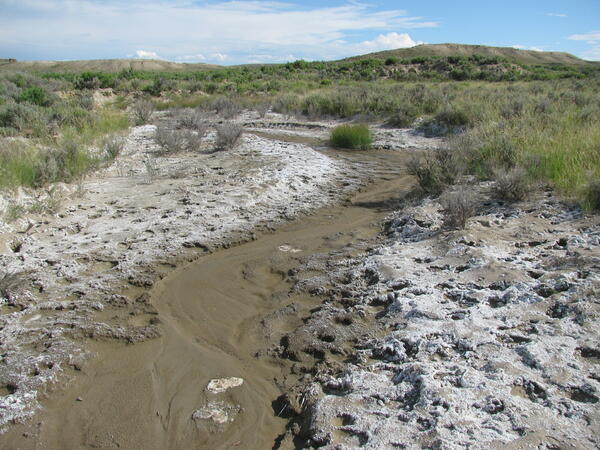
156,394
79,274
76,282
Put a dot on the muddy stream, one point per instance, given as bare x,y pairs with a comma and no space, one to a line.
144,395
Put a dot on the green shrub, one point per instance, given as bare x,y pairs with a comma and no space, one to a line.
452,116
404,116
23,117
36,96
351,136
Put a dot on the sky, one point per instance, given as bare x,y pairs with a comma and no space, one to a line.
255,31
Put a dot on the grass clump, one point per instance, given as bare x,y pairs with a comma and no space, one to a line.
357,137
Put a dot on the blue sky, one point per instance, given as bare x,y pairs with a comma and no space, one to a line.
234,32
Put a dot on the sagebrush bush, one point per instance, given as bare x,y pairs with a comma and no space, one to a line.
35,95
592,195
226,107
112,146
435,171
404,117
351,136
194,120
142,111
227,136
458,206
170,141
512,185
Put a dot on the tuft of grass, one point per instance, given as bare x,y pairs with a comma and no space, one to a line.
356,137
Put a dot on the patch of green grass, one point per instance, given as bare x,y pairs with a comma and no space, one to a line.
351,136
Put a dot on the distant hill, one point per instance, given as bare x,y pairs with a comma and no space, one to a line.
511,54
103,65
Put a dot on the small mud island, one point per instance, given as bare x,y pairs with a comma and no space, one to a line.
219,274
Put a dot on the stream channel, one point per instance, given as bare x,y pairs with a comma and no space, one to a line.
144,395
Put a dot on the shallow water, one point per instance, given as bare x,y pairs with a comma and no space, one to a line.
144,395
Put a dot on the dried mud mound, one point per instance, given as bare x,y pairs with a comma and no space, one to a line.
437,339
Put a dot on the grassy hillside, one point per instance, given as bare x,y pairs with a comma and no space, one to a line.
508,53
102,65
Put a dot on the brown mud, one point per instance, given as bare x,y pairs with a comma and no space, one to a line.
153,394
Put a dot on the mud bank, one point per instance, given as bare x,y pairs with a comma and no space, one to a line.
486,337
126,227
215,316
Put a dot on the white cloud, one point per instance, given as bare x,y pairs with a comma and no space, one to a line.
191,58
591,37
387,42
143,54
524,47
593,54
219,57
556,15
182,28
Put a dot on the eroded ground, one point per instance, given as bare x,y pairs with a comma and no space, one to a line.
362,324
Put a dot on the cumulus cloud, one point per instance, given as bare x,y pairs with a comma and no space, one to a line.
182,28
143,54
388,41
524,47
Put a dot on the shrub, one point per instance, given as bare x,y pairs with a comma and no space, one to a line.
193,120
458,206
35,95
21,116
451,116
112,146
227,135
351,136
435,171
170,141
193,140
592,195
512,186
142,111
390,61
226,107
404,117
